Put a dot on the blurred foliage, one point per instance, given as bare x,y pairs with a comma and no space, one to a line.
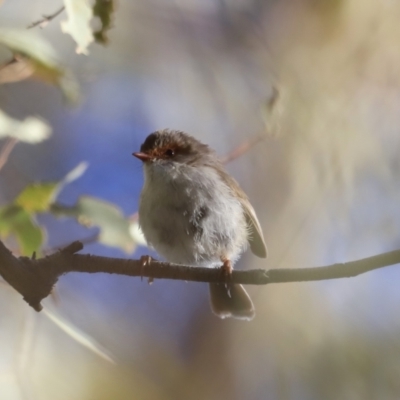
34,56
30,130
79,14
104,10
17,221
89,211
37,197
18,218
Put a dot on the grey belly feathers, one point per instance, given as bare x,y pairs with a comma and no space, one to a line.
191,221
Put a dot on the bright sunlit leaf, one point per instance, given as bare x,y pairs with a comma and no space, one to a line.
32,45
34,56
77,25
30,130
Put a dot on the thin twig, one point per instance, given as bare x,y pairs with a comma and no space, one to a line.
7,63
46,19
242,149
88,240
6,151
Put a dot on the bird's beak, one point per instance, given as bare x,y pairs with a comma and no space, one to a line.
142,156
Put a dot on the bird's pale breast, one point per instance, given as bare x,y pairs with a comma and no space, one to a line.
190,216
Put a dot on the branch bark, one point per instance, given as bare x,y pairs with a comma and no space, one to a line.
35,278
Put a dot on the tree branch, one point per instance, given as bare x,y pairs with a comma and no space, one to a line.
34,279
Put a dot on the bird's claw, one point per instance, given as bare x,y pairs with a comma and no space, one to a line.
145,261
226,270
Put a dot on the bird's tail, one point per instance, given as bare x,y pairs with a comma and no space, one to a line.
231,301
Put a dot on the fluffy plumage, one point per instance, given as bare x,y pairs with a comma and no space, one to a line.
192,212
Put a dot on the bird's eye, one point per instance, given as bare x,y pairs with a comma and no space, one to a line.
169,153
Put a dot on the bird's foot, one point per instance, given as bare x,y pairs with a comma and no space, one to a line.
226,270
145,261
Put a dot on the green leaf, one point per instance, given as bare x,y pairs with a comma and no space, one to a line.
79,14
36,56
30,130
37,197
104,10
90,211
32,45
14,220
18,218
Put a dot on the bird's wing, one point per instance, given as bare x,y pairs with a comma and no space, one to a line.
255,238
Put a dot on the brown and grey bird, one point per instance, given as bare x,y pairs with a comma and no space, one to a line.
194,213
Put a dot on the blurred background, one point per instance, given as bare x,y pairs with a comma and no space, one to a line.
318,82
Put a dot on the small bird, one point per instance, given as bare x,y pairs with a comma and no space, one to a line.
194,213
